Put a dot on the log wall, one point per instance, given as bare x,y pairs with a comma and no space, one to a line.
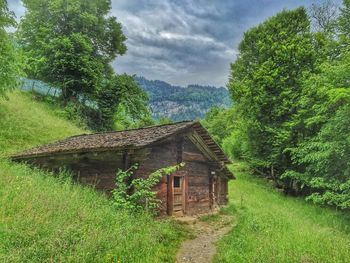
93,169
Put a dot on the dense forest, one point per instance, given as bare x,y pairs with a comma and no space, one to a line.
182,103
290,85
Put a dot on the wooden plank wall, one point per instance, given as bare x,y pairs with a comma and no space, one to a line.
153,158
94,169
197,169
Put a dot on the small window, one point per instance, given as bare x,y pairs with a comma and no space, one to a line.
177,182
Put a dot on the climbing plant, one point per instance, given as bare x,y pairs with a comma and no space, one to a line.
135,194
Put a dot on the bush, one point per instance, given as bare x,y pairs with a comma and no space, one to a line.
136,194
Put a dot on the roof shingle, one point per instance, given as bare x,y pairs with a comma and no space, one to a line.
134,138
107,140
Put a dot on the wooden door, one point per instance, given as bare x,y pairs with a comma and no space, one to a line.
178,195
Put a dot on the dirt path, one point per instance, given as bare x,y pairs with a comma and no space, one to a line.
202,248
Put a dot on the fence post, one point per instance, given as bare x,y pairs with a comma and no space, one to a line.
47,93
33,85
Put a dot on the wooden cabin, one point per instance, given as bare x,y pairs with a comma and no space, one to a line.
94,159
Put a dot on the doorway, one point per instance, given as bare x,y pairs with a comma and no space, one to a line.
178,195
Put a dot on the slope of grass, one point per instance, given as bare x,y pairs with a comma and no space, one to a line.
25,122
276,228
48,219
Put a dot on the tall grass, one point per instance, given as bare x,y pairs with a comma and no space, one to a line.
48,219
25,123
276,228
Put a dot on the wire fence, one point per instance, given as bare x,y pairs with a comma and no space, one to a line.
46,90
40,87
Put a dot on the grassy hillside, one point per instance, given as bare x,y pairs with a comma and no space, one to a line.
48,219
277,228
25,122
43,219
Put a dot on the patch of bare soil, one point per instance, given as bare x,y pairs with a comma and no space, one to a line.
207,230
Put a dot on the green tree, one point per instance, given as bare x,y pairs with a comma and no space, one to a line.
70,64
70,43
344,21
9,65
219,122
321,159
324,16
265,84
122,104
321,165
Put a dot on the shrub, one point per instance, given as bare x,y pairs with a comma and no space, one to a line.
136,194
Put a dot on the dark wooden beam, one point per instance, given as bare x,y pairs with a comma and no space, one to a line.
170,194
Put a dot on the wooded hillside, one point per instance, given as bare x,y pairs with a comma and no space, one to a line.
183,103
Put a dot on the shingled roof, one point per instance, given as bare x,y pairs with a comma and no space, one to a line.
134,138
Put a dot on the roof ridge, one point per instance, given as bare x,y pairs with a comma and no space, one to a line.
134,129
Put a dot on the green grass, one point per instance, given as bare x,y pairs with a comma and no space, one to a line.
25,123
276,228
48,219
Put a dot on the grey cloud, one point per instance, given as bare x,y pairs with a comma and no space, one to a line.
193,41
183,41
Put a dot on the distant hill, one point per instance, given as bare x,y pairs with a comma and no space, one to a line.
182,103
166,100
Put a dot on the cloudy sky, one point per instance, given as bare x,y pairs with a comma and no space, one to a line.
183,41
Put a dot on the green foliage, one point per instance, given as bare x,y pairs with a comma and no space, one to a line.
9,60
70,43
266,84
344,22
290,117
322,158
26,123
121,102
216,122
333,193
135,194
69,64
120,105
274,227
